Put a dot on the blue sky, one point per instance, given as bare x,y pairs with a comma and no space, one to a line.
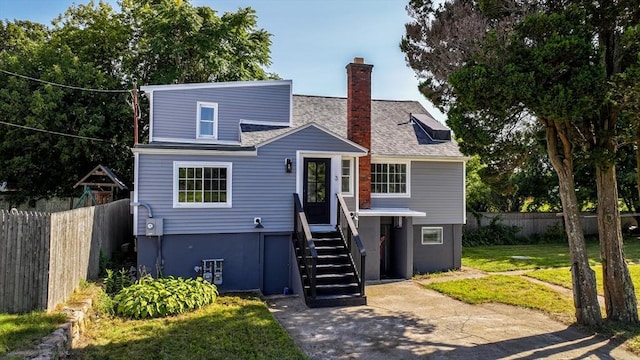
312,40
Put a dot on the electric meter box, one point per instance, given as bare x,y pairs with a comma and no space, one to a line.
154,227
211,270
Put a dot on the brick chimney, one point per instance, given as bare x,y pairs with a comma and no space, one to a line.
359,122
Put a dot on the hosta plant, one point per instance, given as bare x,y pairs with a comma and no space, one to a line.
150,298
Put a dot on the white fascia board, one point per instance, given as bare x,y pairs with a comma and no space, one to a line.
321,128
158,151
464,193
136,170
383,158
264,123
150,116
212,85
196,141
391,212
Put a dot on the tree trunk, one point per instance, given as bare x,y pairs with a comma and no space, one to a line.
585,297
619,293
638,159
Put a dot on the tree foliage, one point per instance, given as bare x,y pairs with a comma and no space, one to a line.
556,67
94,46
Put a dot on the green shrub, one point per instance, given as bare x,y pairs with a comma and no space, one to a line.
493,234
150,298
116,281
553,234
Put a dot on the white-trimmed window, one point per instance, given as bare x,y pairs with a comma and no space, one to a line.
431,235
207,124
347,176
390,179
201,184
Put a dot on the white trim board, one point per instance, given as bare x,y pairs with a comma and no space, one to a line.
319,127
391,212
213,85
158,151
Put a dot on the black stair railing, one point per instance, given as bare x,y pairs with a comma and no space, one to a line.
304,242
349,234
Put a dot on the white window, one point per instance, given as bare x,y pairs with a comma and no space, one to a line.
207,127
431,235
201,184
347,176
390,179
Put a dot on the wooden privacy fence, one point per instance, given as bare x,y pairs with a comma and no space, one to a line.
43,257
533,223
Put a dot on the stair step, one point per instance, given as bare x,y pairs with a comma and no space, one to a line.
334,289
336,283
330,250
331,259
325,235
336,300
335,278
334,269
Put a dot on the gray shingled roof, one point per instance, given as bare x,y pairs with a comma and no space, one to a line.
391,132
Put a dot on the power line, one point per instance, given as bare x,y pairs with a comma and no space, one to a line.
62,85
51,132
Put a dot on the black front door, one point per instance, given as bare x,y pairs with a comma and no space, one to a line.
317,190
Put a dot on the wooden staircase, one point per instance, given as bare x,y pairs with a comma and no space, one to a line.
336,280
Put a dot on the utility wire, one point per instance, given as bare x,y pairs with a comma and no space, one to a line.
51,132
62,85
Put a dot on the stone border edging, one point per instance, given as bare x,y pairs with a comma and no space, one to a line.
57,344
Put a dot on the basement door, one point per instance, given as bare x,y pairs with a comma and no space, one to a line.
276,264
317,190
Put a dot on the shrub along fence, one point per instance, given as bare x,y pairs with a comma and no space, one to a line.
534,223
43,257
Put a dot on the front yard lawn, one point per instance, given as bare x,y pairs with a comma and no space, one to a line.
234,327
19,332
562,277
510,290
501,257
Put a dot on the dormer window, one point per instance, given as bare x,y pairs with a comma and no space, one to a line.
207,120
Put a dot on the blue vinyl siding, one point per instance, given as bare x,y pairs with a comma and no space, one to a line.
261,187
442,257
437,188
175,111
251,261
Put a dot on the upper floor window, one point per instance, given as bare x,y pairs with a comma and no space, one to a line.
201,184
390,179
347,176
207,120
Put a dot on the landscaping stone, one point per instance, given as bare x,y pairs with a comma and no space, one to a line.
56,345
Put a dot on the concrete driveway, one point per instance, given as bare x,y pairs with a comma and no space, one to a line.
405,321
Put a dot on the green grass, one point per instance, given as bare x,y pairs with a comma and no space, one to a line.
232,328
500,258
553,261
506,289
19,332
562,277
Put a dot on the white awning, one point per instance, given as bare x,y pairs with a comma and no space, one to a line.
391,212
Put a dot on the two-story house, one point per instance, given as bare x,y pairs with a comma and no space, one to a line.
236,171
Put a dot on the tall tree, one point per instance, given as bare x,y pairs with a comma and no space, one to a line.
500,87
556,64
611,20
94,46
